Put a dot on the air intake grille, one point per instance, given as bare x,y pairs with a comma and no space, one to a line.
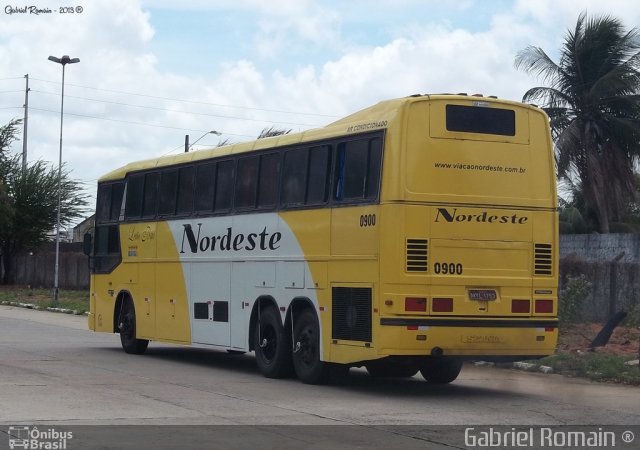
543,259
351,314
417,251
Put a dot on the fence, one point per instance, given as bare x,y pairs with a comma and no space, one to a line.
37,269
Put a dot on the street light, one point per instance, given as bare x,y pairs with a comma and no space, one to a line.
63,61
187,146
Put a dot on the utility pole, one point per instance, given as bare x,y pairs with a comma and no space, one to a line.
186,143
24,124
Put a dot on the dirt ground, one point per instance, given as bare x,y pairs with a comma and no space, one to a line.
625,341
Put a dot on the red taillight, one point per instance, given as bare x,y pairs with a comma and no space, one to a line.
520,306
442,305
544,306
415,304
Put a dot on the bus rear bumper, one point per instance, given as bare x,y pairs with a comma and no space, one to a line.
499,338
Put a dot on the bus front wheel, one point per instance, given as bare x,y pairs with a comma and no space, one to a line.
272,345
306,350
127,328
441,370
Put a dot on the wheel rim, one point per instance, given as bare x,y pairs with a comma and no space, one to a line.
127,326
269,335
307,350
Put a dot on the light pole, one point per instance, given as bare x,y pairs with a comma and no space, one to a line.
63,61
187,146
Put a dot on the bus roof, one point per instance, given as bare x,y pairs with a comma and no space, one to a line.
378,116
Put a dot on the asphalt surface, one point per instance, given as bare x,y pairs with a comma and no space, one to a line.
56,373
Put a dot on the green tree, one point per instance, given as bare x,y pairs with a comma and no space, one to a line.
29,201
592,98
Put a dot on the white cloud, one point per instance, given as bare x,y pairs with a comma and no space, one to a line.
113,39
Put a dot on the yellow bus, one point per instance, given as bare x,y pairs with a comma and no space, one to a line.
410,236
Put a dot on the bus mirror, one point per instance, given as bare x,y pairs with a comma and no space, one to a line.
86,244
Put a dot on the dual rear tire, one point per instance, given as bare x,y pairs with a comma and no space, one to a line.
279,355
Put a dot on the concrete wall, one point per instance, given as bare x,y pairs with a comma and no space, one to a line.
593,255
601,247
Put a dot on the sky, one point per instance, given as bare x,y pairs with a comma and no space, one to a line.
151,72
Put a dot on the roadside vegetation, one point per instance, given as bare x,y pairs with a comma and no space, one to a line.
611,363
73,302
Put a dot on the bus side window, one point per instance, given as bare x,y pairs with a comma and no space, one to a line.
318,174
246,182
358,169
185,191
373,168
269,178
351,170
103,209
294,177
133,204
224,186
116,201
167,193
205,187
150,197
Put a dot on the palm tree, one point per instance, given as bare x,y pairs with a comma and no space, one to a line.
592,98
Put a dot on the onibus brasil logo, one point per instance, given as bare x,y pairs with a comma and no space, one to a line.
31,438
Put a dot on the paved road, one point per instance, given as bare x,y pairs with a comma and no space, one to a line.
54,371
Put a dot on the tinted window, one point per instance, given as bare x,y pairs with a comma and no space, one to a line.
103,208
116,201
358,169
477,119
318,174
224,186
185,190
205,187
168,188
373,169
246,182
135,186
268,185
150,201
294,177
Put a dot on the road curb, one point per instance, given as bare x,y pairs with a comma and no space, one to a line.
74,312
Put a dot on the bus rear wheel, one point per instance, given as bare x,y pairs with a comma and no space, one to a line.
272,345
441,370
306,351
127,328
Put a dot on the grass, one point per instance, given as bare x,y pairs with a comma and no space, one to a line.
573,357
595,366
77,301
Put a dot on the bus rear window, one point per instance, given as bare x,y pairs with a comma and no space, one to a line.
479,119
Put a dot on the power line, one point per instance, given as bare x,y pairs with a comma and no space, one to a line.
135,123
193,101
176,110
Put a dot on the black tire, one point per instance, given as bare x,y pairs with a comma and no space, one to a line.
127,329
441,370
306,353
383,369
272,345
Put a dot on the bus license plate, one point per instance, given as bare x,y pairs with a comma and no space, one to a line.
483,294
